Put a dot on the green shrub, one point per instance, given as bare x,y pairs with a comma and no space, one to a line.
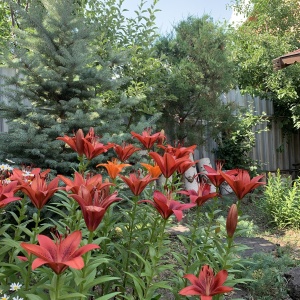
281,201
236,142
266,274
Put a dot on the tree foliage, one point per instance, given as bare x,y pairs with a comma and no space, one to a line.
69,76
135,37
270,30
199,71
4,27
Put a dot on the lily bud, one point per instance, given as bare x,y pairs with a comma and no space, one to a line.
232,220
161,138
79,142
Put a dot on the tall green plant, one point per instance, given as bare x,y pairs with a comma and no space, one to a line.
281,201
238,139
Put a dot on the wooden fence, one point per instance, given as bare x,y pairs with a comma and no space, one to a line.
272,150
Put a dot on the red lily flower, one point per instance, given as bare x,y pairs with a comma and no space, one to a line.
206,285
38,191
136,184
59,254
125,151
154,171
89,182
202,195
184,166
168,164
241,183
148,140
179,151
167,206
94,204
26,176
232,220
92,146
113,168
215,176
88,145
7,193
76,142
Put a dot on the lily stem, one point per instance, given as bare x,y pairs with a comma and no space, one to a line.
193,237
57,287
133,213
33,240
156,260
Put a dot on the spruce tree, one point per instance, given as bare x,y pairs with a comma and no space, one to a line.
63,82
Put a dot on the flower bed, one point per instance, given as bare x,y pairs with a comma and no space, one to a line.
107,236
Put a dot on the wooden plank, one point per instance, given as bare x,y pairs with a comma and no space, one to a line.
290,60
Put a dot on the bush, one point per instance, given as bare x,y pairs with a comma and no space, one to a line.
239,138
266,275
281,201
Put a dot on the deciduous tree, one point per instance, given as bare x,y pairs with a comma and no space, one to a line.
199,71
270,29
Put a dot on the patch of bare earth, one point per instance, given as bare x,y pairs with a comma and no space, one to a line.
287,238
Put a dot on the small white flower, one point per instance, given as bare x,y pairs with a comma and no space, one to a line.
6,181
17,298
2,167
15,286
27,174
4,297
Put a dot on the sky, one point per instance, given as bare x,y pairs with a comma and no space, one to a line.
173,11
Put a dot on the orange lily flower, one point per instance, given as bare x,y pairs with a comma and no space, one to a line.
125,151
167,206
206,285
113,167
94,204
136,184
7,193
168,164
89,182
232,220
147,139
241,183
38,191
59,254
202,195
154,171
